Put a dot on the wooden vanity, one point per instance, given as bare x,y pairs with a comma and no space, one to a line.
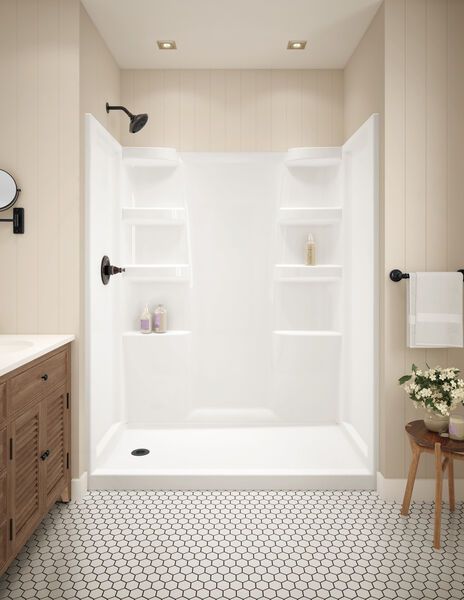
35,407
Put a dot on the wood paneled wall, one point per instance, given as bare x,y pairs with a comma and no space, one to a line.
235,110
39,144
364,78
424,195
100,78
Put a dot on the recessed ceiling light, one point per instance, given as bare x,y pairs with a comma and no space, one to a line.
296,45
166,45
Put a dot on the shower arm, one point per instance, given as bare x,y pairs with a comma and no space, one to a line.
123,108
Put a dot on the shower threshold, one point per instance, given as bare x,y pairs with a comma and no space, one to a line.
218,457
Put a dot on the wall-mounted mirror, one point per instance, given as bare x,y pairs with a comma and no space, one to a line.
9,191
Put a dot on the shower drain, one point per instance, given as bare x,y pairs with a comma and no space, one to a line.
140,452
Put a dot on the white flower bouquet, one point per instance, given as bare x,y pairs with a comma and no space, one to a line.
437,390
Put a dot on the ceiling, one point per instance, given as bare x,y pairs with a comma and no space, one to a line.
231,34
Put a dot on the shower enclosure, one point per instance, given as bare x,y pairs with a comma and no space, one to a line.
266,377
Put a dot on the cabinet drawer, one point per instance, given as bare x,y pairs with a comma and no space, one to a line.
2,402
35,383
3,451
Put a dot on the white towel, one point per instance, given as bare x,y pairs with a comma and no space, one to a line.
434,308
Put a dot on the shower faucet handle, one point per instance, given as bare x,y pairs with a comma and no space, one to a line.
107,270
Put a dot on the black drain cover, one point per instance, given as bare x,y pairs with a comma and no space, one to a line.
140,452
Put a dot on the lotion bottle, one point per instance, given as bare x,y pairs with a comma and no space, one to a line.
161,319
310,250
145,321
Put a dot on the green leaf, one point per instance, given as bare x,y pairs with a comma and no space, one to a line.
414,368
402,380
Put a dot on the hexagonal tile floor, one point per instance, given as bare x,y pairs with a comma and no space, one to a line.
128,545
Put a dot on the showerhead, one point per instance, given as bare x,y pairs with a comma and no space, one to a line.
136,121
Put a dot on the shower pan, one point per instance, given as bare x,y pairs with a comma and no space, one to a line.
266,377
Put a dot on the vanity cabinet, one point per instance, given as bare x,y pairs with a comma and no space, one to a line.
34,446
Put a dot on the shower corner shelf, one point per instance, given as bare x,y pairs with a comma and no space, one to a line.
177,273
150,157
153,216
310,215
307,274
313,157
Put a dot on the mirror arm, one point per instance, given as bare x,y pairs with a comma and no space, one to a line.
17,220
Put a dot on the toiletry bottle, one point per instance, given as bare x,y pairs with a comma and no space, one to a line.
160,319
310,250
145,321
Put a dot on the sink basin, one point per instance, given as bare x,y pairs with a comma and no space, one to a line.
8,346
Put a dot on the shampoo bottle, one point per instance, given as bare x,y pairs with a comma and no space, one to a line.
161,319
145,321
310,250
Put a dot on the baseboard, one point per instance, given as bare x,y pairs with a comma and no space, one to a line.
99,480
79,487
392,490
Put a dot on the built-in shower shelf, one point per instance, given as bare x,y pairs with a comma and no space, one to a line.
170,333
310,216
153,216
150,157
313,157
307,274
163,273
308,333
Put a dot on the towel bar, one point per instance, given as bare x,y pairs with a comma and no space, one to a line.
397,275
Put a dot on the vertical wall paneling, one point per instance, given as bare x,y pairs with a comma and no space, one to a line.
436,148
236,110
218,110
202,129
172,83
187,110
455,153
48,166
424,136
392,401
415,161
27,164
9,156
248,110
39,144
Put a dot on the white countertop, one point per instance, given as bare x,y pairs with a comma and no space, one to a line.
18,350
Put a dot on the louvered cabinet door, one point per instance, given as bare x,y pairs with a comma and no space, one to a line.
24,492
55,451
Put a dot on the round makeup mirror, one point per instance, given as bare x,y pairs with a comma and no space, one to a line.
9,191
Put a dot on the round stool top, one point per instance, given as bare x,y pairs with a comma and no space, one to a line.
419,432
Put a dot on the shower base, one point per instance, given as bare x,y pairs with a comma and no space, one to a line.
267,457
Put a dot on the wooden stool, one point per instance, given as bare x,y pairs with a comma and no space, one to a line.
446,451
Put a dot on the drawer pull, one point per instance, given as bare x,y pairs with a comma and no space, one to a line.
44,377
45,455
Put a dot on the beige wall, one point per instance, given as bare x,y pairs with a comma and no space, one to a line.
100,76
215,110
412,70
364,75
39,144
424,195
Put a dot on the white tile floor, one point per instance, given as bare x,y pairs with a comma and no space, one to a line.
121,545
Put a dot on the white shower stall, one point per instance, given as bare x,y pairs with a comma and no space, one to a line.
266,377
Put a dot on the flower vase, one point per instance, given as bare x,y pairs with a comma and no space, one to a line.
436,422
